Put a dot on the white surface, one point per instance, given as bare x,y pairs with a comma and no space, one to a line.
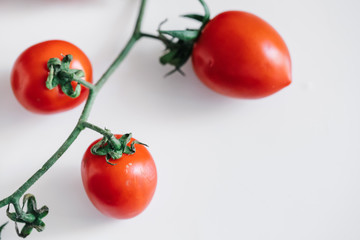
279,168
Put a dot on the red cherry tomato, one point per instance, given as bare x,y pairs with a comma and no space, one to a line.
240,55
30,72
123,190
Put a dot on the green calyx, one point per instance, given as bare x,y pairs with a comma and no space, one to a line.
32,218
113,148
61,75
2,227
179,43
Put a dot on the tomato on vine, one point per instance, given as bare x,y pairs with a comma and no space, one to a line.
120,188
240,55
40,93
236,54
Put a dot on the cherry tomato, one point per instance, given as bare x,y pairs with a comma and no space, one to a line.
240,55
123,190
29,74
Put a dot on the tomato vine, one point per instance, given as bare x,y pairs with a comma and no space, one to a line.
14,199
238,70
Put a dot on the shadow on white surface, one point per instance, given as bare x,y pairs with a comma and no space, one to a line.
70,209
145,79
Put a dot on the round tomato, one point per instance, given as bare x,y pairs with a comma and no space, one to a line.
30,72
240,55
122,190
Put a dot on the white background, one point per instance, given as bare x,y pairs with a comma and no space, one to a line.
284,167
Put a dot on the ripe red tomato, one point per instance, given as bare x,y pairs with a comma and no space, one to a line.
30,72
123,190
240,55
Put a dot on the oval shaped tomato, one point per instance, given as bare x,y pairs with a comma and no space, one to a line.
240,55
123,190
29,74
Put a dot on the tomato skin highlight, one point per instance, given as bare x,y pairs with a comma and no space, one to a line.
124,190
240,55
29,74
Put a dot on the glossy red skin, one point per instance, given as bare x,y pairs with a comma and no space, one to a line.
30,72
121,191
240,55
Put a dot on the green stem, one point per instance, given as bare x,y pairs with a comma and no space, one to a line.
94,89
87,108
84,83
134,38
207,13
96,129
14,198
106,133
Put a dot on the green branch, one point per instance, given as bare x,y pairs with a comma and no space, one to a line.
134,38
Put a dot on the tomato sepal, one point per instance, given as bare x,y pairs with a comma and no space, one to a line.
2,228
61,75
183,35
113,148
32,218
179,43
196,17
